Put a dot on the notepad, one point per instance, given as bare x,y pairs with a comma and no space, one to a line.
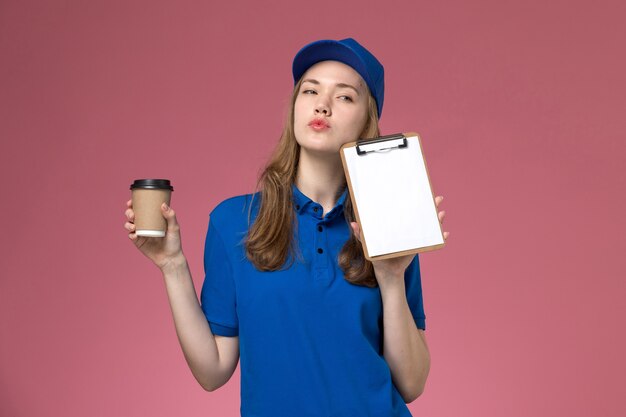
392,196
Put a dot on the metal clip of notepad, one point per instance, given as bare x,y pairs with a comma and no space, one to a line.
381,144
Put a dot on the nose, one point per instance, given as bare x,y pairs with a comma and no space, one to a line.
322,107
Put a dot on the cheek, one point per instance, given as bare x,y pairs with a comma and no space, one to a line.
364,116
358,120
297,111
299,118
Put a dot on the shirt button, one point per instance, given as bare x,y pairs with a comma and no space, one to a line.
315,209
297,207
320,250
320,228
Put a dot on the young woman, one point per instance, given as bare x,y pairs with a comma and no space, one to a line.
320,330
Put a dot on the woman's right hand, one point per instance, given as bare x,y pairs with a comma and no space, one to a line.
160,250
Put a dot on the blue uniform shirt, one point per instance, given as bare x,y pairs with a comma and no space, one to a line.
310,342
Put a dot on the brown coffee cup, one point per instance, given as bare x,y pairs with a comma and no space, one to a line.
148,195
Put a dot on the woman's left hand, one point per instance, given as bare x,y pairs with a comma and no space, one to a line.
388,271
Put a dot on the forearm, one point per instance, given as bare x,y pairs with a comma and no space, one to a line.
405,348
193,331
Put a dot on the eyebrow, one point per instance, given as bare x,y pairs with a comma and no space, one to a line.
340,85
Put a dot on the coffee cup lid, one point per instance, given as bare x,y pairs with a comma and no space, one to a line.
154,184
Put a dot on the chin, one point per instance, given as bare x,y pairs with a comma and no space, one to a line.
317,143
320,150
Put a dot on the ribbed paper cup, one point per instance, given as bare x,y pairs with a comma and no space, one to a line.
148,195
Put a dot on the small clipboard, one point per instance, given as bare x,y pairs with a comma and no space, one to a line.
392,196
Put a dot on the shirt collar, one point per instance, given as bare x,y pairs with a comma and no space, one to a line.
342,198
302,202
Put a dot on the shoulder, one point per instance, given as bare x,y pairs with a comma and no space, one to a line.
233,213
234,206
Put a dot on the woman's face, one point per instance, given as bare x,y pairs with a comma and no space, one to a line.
331,107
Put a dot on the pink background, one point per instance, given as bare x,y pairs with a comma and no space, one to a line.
521,108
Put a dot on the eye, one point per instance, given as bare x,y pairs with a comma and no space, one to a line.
309,92
345,98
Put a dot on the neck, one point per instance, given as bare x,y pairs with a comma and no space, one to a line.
320,178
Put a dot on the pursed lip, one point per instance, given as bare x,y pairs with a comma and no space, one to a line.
319,123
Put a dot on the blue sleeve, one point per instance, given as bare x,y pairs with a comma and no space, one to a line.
218,298
413,286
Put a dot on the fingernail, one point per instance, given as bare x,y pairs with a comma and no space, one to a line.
165,207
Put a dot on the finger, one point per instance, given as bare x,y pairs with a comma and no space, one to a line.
445,235
438,200
129,203
356,230
441,215
134,238
137,240
129,226
130,215
170,216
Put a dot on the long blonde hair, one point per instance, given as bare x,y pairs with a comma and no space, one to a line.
270,240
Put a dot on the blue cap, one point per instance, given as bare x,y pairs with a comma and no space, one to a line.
351,53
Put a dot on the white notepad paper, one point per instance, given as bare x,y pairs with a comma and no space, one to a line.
395,203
